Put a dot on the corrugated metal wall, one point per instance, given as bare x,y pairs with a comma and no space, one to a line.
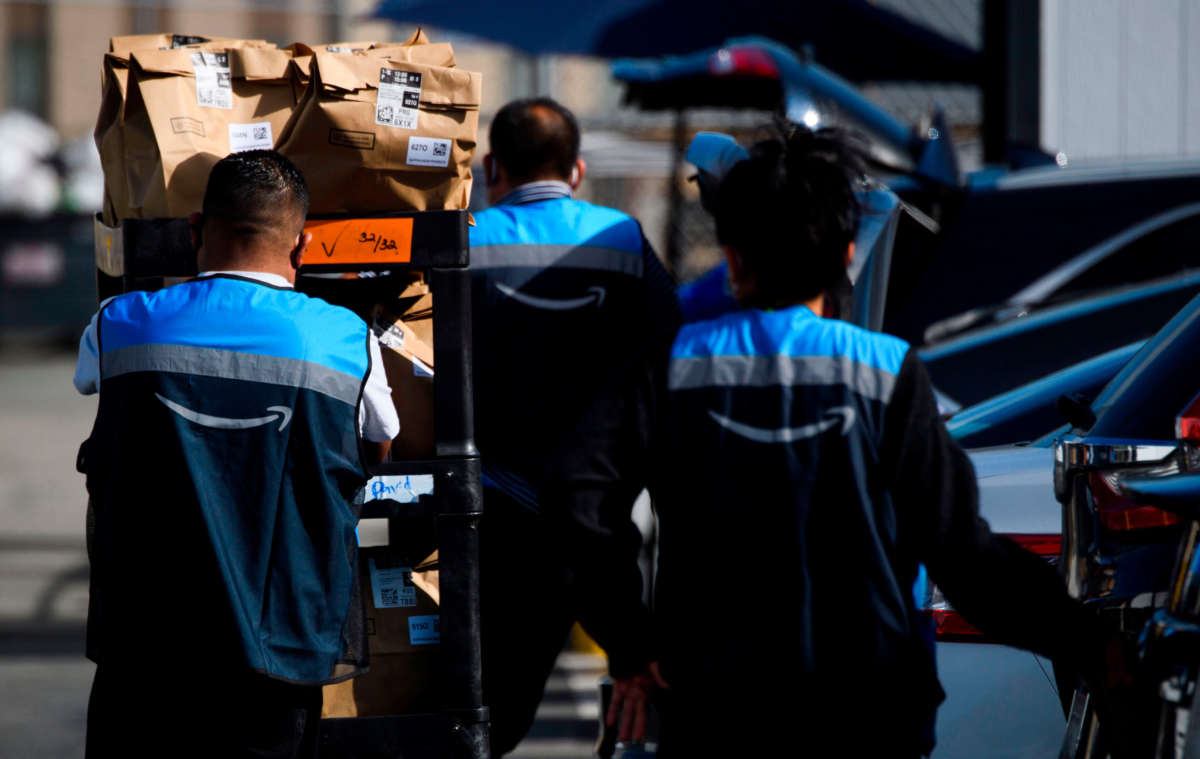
1120,78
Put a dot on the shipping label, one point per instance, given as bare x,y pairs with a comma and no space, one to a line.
399,99
183,40
425,630
390,336
391,587
428,151
214,83
255,136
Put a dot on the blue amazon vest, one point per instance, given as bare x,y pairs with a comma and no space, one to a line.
776,513
221,471
560,306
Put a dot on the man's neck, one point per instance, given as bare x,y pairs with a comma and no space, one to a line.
537,189
276,264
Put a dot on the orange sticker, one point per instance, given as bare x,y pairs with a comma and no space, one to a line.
359,241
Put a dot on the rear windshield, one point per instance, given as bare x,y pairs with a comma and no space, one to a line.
1143,400
1162,253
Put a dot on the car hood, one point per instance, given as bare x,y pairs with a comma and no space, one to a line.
1016,489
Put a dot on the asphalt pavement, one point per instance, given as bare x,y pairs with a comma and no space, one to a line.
44,677
43,562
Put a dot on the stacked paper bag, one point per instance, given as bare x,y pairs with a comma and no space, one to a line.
405,331
401,599
114,87
383,131
188,109
373,126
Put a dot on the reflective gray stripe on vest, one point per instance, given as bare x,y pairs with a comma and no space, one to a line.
765,371
565,256
252,367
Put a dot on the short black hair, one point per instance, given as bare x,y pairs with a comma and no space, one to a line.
255,192
790,211
534,137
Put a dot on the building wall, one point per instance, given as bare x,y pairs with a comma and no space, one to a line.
59,45
1119,79
78,38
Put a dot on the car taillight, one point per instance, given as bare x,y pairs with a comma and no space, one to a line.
742,61
949,624
1187,431
1119,512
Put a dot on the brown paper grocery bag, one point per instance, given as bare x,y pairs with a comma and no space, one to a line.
188,108
405,144
405,331
403,662
440,54
124,45
114,80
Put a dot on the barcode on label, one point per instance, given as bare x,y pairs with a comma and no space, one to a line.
399,98
214,81
391,587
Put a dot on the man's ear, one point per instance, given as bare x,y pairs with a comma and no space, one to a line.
489,170
849,258
196,228
303,240
739,283
577,173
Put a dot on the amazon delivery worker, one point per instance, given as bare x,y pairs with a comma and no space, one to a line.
806,476
220,472
569,304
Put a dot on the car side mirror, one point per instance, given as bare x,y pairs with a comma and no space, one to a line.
1076,408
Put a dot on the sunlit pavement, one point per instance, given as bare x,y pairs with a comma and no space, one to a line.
567,720
44,678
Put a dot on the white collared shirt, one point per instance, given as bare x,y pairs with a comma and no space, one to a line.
377,420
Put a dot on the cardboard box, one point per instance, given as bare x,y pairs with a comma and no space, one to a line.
405,331
403,637
190,107
114,84
385,133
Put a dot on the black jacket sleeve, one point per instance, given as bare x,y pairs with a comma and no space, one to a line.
600,473
1008,593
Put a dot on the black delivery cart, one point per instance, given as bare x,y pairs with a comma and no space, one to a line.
143,254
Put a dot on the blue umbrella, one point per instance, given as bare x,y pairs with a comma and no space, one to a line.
859,40
534,26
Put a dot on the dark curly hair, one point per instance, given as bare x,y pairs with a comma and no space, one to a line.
790,211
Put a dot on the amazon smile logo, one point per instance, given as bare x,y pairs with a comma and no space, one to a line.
225,423
844,414
595,295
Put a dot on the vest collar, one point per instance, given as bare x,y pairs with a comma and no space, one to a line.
548,189
266,278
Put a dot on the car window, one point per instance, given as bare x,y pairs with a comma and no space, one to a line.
1157,383
1160,253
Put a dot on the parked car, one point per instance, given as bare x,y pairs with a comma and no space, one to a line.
1028,412
1117,551
1118,291
1000,702
1168,644
1072,232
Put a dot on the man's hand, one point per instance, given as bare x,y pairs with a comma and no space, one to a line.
630,699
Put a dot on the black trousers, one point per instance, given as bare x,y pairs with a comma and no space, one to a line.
525,616
159,711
